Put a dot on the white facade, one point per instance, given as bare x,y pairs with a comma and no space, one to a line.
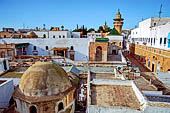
80,45
57,34
153,32
94,35
6,90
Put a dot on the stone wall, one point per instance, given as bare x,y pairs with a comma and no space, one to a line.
154,55
92,50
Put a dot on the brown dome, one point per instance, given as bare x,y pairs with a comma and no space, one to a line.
44,78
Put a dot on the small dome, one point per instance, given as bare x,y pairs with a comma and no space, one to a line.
43,79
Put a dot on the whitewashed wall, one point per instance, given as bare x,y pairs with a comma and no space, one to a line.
6,90
57,34
81,46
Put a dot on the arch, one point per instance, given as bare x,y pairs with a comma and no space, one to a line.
12,101
2,54
33,109
44,36
98,53
60,106
120,44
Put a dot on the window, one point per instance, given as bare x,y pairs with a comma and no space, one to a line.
60,106
158,66
164,40
46,47
148,64
44,36
71,48
33,109
53,36
63,36
154,41
160,41
59,36
34,48
151,40
154,24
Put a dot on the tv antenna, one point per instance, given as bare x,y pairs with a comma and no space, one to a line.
160,12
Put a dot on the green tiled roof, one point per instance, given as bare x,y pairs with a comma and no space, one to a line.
114,32
102,39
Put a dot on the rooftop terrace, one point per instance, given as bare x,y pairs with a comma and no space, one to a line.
114,95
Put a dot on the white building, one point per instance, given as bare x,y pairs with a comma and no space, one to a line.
153,32
57,34
94,35
6,90
47,46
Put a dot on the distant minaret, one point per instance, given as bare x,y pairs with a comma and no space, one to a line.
118,22
43,26
105,25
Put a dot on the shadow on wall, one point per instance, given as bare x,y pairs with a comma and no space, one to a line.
80,57
35,50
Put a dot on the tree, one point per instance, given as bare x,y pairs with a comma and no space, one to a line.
100,29
91,29
107,29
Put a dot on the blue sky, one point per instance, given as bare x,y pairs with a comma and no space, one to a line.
91,13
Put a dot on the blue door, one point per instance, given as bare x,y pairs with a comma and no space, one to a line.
169,40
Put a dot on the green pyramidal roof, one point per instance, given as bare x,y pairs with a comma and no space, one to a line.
114,32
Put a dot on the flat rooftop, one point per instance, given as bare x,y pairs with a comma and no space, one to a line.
102,75
164,77
114,95
144,84
11,75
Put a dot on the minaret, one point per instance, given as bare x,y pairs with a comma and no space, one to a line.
105,25
118,22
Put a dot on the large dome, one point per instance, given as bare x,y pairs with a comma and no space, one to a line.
43,79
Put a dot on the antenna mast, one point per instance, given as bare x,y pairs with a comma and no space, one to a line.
160,12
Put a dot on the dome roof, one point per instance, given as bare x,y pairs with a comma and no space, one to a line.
43,79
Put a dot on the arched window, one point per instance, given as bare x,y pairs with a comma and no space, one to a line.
99,53
60,106
33,109
71,48
44,36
